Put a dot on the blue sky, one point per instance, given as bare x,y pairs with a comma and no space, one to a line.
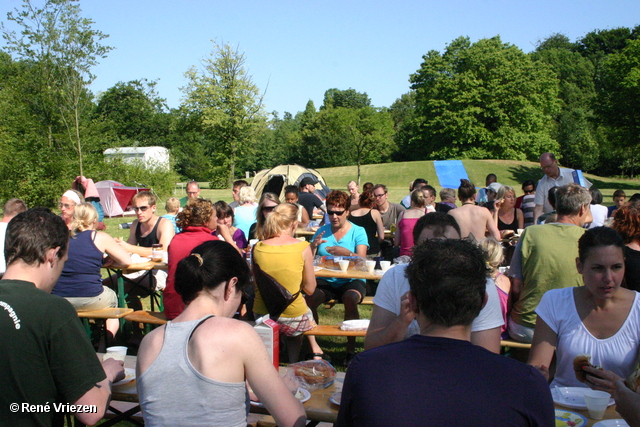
296,50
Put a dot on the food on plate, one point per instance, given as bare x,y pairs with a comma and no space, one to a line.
633,382
579,362
313,374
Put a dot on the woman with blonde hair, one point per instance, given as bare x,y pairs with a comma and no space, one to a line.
81,281
290,262
507,217
245,213
268,202
494,254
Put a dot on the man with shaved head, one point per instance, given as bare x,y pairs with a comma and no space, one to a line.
554,176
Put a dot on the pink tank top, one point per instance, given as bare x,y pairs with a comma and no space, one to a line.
405,228
504,299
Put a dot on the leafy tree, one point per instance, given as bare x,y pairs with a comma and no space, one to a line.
65,48
618,100
344,136
575,128
600,43
134,111
229,105
403,113
350,98
484,100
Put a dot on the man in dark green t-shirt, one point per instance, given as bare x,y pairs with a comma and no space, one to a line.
47,363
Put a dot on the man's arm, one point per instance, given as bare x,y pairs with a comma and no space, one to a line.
385,327
537,211
101,393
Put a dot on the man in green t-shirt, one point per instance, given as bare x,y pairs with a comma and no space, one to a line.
545,258
47,365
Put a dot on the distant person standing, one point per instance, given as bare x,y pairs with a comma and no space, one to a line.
193,192
12,208
237,185
306,196
448,197
554,176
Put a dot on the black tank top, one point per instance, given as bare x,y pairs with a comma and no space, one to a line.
149,239
367,222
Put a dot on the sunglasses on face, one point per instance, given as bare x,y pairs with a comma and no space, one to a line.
141,208
528,191
377,196
268,208
66,205
338,213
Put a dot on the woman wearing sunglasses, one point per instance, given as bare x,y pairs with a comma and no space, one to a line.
339,238
268,202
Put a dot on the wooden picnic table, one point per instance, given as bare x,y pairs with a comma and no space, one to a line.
121,270
318,407
349,274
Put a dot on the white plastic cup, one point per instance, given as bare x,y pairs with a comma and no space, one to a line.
597,403
520,231
384,265
344,264
117,353
371,265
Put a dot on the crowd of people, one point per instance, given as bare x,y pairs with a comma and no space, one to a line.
570,288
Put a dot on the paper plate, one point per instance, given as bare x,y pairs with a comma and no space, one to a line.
567,418
335,398
571,397
611,423
129,375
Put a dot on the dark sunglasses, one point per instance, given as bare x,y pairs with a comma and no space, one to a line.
268,208
338,213
141,208
528,191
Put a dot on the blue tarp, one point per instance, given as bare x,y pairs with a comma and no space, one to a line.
450,172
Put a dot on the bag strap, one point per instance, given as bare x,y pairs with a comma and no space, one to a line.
255,269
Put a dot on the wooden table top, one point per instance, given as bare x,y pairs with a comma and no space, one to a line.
318,407
148,265
349,274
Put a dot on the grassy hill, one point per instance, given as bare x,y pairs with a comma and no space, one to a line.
398,176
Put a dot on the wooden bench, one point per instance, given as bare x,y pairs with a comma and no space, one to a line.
101,315
514,344
365,301
334,331
147,317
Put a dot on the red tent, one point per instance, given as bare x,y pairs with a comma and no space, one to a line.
115,197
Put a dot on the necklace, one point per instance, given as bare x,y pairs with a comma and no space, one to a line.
468,203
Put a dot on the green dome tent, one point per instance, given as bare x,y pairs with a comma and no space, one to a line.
274,180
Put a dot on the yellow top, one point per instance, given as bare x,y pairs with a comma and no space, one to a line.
285,264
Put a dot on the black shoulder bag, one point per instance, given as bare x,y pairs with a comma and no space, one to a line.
275,296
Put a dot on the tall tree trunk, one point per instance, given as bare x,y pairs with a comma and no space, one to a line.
77,124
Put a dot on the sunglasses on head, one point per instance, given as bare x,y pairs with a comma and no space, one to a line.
141,208
338,213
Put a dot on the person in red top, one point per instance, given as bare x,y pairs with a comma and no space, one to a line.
197,220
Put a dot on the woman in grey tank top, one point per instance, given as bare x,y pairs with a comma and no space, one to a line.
192,371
